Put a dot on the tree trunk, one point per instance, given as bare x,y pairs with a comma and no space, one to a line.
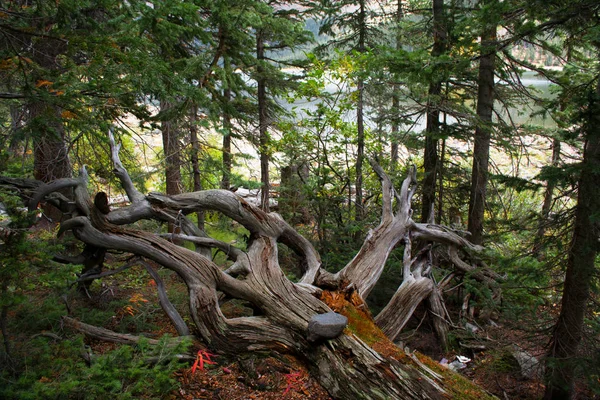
483,130
346,366
396,96
430,156
263,123
51,158
227,129
409,295
50,154
171,149
195,161
360,124
580,265
547,205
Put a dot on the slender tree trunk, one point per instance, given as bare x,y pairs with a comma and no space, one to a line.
395,130
547,205
171,149
440,209
195,161
360,125
580,266
483,130
549,193
263,123
227,159
4,322
430,157
17,113
394,134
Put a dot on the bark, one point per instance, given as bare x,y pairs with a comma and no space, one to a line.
51,159
440,205
50,154
415,287
366,267
360,124
483,130
437,311
581,268
195,162
263,123
227,128
430,156
396,96
171,149
346,366
408,296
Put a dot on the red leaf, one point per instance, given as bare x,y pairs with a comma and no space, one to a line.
195,366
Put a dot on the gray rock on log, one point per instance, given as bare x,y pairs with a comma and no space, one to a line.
326,326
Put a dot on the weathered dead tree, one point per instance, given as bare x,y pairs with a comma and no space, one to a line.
354,364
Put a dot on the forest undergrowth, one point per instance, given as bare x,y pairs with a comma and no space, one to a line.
47,359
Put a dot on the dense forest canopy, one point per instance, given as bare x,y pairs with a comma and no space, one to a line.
330,180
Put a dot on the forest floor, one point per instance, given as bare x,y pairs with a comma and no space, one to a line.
128,303
275,376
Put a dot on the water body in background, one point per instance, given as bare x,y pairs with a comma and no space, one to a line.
529,114
300,108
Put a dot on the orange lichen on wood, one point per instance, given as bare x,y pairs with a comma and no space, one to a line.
361,323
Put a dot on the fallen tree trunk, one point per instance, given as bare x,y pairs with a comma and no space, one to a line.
361,362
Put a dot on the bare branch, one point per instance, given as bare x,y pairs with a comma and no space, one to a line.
387,190
484,275
134,195
82,198
232,252
251,217
407,191
366,267
165,303
442,234
111,336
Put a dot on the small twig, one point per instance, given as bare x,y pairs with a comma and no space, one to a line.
86,277
48,335
416,329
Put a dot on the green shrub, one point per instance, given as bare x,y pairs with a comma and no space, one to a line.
58,371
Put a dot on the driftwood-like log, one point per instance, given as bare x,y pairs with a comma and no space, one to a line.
346,365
